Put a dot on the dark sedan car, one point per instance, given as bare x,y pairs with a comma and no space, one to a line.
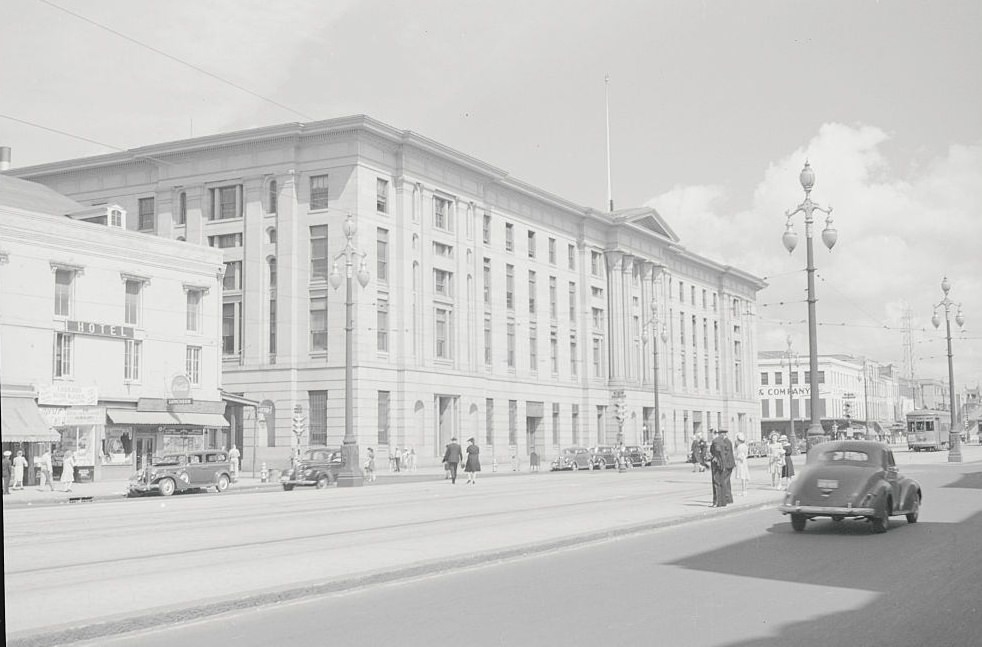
604,456
637,456
851,478
574,458
182,472
318,466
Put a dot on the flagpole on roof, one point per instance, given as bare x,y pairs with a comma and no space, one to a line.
610,195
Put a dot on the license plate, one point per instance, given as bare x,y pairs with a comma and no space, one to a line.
827,484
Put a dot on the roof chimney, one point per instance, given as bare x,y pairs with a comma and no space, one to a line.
4,158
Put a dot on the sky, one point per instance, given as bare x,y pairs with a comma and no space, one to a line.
714,108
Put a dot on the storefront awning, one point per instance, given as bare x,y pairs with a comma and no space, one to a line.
168,418
21,422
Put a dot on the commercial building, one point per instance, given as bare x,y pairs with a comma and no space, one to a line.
109,339
494,309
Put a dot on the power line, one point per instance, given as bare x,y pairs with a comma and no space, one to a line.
176,59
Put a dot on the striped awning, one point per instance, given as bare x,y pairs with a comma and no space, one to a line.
21,422
166,418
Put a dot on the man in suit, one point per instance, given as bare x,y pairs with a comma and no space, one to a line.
722,465
452,458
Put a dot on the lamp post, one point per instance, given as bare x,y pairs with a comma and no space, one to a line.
790,240
791,358
955,438
351,474
657,442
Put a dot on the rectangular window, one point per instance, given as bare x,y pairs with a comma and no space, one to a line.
715,302
765,409
489,421
63,355
763,378
131,360
227,198
821,377
441,249
531,244
554,352
225,241
533,349
509,237
571,256
779,408
703,299
443,283
443,333
695,341
598,293
317,405
575,424
513,422
510,332
692,295
319,261
487,229
182,210
192,364
510,287
318,323
147,218
382,195
487,341
681,292
383,417
272,198
598,318
382,252
779,378
596,264
682,369
597,358
232,279
272,326
231,328
553,299
487,282
441,214
64,292
193,319
682,328
318,192
573,359
555,424
532,290
382,325
572,302
132,304
552,251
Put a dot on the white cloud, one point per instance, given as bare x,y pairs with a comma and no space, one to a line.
898,236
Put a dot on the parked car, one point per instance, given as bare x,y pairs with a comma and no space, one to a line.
851,478
604,457
318,466
185,471
637,456
574,458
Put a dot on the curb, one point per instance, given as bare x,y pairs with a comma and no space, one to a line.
185,615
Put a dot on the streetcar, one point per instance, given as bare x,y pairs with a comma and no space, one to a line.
928,430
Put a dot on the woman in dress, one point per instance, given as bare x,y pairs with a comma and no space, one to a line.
788,470
20,464
68,470
740,455
370,465
775,459
473,464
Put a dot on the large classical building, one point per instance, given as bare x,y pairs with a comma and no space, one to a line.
109,339
494,309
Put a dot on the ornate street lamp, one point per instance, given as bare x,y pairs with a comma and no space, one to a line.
790,240
955,438
351,474
657,442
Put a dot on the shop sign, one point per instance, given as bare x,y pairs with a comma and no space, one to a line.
66,394
174,401
180,387
73,416
99,329
782,391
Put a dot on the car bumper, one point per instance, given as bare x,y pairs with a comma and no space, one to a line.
825,511
143,488
293,481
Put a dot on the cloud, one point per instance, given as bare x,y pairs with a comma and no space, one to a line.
899,234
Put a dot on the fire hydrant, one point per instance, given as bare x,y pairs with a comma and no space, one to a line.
494,463
263,474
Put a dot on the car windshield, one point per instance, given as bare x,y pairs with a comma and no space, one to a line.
171,459
840,456
569,452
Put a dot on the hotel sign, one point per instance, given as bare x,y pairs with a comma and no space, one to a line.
99,329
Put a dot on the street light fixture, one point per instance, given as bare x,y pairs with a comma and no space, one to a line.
955,438
791,358
657,442
790,240
351,474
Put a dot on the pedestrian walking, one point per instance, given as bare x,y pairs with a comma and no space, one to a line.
20,464
411,465
233,457
533,461
741,452
698,452
446,465
370,465
7,469
788,470
775,459
721,450
44,467
394,460
452,458
68,470
473,464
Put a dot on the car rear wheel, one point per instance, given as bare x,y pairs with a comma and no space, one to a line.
288,487
798,522
575,467
222,484
167,487
914,511
322,481
881,522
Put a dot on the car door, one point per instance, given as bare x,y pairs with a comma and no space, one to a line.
892,476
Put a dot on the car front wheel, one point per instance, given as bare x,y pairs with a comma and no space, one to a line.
322,481
167,487
798,522
914,511
222,484
575,467
288,487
